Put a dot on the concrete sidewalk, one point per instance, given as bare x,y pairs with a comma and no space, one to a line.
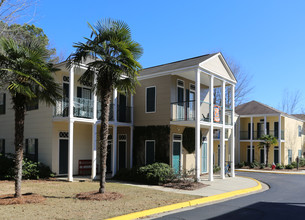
218,186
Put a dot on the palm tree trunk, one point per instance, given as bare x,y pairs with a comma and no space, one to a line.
19,134
105,106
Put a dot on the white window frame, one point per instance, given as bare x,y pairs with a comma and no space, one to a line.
146,149
146,99
299,131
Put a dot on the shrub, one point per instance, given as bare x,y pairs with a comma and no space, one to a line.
289,166
279,166
302,162
262,166
294,164
216,169
254,164
155,173
241,164
30,169
127,174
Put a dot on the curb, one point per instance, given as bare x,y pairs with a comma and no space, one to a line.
194,202
273,172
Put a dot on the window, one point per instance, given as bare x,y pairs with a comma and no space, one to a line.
31,149
2,103
84,93
289,156
149,151
300,130
2,146
300,154
151,99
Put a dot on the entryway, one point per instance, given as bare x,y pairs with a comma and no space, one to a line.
63,156
177,140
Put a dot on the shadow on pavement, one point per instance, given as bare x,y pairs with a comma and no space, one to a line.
267,210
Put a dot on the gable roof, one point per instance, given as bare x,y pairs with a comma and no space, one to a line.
300,116
256,108
176,65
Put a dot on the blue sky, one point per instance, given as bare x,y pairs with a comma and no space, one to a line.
266,38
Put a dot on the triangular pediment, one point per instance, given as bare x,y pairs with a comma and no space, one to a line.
217,65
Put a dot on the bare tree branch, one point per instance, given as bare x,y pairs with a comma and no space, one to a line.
12,10
290,101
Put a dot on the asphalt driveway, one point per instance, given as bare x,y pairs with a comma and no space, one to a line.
284,200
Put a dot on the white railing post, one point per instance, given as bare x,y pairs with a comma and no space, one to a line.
279,139
233,132
222,137
71,124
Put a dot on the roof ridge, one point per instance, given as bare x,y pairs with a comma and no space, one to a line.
212,54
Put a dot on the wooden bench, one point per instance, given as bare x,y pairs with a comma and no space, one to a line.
84,167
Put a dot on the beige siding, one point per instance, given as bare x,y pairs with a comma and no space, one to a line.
162,114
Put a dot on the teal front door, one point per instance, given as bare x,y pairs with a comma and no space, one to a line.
176,156
204,158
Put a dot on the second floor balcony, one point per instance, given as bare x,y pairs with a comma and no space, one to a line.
256,135
185,111
83,108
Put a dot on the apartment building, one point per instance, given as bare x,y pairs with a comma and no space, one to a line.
144,128
257,119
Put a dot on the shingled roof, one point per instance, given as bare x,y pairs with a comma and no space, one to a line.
176,65
256,108
300,116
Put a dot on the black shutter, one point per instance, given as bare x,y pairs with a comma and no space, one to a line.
258,130
3,147
267,128
79,92
150,99
36,150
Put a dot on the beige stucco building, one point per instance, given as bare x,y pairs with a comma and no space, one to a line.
144,128
288,129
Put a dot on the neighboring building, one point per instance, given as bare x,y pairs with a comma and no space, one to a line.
144,128
257,119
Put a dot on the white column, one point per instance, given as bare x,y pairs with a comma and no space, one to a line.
233,132
114,154
251,139
70,151
211,138
71,124
238,146
94,133
279,140
197,129
223,131
115,105
93,171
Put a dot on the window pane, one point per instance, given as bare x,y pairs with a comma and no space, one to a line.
31,146
150,99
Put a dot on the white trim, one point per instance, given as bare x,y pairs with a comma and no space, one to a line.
181,81
192,90
155,99
154,149
125,150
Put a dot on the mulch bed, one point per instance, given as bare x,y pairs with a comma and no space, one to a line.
93,195
28,198
185,185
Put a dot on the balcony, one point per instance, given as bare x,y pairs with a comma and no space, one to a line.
83,108
245,135
185,111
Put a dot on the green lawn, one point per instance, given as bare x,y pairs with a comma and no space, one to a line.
61,204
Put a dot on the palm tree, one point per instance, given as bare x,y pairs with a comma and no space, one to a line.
27,76
114,64
268,141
